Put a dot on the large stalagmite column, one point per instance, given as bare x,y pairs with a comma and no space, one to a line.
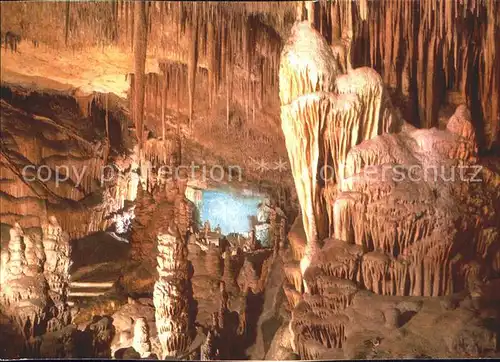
58,262
172,295
307,65
324,113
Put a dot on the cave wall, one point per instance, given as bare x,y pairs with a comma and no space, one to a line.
52,157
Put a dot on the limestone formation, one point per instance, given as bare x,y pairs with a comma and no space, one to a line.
373,126
229,276
134,328
141,244
399,200
140,341
101,332
213,261
208,349
24,296
223,310
248,277
183,213
58,262
173,295
35,279
323,116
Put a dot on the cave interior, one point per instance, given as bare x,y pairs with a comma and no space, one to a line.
250,180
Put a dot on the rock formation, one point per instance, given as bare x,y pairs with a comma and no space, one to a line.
183,213
173,295
134,325
58,262
24,296
101,333
230,270
404,214
56,271
34,272
395,252
140,341
324,113
208,350
141,243
62,166
213,261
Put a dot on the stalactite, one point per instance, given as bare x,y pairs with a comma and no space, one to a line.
192,59
446,43
125,5
310,6
140,48
106,119
226,50
299,11
66,25
164,96
335,19
132,25
253,102
211,62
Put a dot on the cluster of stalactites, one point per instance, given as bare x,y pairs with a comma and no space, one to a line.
213,35
229,41
437,59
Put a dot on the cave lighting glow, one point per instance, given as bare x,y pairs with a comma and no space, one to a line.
232,212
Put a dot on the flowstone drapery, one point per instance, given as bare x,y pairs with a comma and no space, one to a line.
384,206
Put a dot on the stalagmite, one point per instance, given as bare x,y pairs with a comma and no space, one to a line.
183,213
58,262
320,125
35,275
208,349
172,295
301,74
226,50
140,341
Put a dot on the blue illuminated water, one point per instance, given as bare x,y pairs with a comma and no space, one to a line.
232,212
